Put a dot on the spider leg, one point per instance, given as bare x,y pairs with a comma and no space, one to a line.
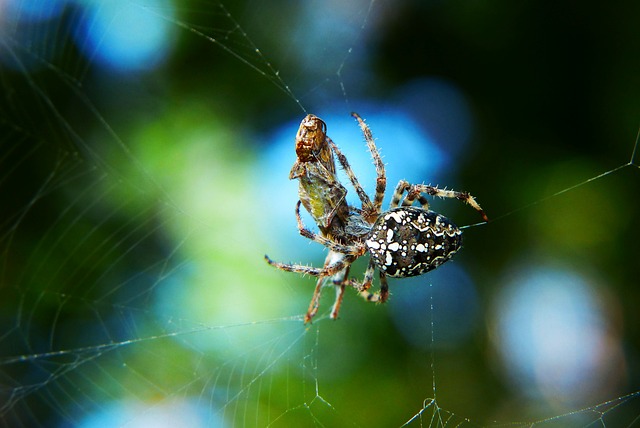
364,198
332,245
422,200
384,288
315,300
336,265
364,286
380,296
463,196
381,179
372,210
412,195
329,270
415,192
338,280
398,193
340,283
336,305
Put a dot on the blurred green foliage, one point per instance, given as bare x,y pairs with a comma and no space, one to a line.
132,224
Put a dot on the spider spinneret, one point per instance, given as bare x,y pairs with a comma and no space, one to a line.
403,241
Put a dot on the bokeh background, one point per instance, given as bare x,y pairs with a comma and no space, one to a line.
145,148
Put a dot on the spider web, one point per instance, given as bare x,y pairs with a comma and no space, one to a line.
143,175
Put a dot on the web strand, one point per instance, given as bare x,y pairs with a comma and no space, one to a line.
135,216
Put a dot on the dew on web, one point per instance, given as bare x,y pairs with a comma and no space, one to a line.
145,152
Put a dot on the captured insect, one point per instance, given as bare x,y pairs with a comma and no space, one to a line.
404,241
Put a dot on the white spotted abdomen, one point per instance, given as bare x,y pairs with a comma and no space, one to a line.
409,241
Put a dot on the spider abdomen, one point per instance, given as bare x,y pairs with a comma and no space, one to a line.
409,241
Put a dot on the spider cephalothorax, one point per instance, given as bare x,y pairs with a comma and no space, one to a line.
404,241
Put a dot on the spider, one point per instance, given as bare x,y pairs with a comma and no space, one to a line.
404,241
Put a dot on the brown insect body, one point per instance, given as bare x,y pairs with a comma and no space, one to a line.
320,192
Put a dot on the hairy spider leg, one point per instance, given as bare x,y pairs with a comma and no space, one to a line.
367,281
338,279
315,300
409,198
384,288
309,270
340,283
398,193
366,201
338,303
371,210
414,191
381,178
332,245
364,286
443,193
